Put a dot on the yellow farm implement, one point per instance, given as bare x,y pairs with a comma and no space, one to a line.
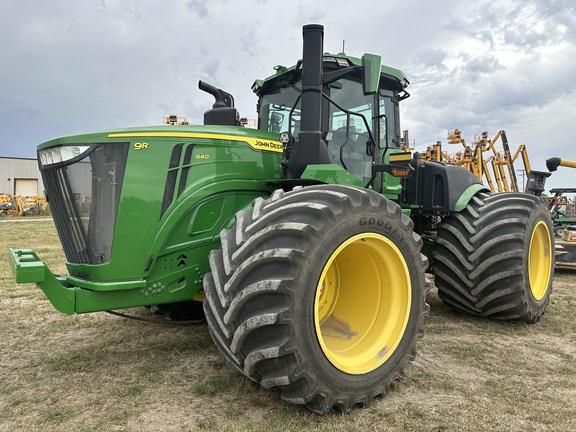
497,169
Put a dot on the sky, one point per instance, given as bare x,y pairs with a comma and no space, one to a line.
70,66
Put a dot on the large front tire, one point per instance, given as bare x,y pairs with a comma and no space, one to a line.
496,257
319,292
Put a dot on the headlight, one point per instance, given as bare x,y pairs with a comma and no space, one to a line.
60,154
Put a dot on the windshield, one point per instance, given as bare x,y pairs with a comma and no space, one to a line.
275,110
349,120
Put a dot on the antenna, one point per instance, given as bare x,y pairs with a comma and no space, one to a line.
343,45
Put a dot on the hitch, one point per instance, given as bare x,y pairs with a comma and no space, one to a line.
28,268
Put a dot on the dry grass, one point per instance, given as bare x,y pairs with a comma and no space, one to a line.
98,372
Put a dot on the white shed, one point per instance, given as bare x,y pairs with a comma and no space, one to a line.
20,176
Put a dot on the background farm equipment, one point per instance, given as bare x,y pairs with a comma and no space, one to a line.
563,209
565,247
21,206
497,169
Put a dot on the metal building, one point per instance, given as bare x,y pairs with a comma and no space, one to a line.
20,176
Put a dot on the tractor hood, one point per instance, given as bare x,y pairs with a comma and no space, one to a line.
117,197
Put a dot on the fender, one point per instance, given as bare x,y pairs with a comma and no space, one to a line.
441,187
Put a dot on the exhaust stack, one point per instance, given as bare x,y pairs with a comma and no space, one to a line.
309,147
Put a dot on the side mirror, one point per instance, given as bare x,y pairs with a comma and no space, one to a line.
371,64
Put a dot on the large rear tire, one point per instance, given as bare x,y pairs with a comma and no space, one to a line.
320,293
496,257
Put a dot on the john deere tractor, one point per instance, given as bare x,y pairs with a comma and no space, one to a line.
307,239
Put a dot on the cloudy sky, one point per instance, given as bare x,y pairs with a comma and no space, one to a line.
70,66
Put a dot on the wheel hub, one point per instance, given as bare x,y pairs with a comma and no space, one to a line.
363,303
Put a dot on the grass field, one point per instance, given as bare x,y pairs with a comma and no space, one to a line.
99,372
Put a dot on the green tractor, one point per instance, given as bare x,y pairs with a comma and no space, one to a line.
307,240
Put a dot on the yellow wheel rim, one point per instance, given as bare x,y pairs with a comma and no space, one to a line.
540,260
362,304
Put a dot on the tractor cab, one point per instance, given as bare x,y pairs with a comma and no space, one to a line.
358,114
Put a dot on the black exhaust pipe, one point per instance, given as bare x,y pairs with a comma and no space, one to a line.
309,147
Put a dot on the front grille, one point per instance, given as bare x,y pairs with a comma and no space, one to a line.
67,214
84,194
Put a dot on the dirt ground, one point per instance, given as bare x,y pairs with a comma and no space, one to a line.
99,372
